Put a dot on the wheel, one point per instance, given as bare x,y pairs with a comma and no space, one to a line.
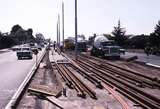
118,57
30,57
19,58
93,53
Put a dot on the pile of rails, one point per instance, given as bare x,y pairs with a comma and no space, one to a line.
67,74
127,82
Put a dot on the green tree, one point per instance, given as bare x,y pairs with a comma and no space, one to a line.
155,36
6,41
22,36
15,28
39,38
137,41
119,34
108,36
91,39
30,37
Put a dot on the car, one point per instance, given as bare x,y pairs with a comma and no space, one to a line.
24,52
34,49
122,51
39,47
15,48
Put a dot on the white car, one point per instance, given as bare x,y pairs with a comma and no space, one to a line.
24,52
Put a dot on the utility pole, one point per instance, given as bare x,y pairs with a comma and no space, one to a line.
76,51
59,35
63,23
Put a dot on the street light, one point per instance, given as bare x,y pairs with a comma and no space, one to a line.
76,30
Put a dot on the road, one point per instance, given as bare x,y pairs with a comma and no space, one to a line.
142,57
12,74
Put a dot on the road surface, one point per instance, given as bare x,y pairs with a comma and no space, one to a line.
142,57
12,74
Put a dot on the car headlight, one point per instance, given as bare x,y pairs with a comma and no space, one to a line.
100,48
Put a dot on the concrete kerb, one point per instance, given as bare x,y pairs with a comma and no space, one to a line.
16,96
153,65
148,64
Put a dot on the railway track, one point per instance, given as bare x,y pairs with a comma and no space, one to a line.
142,79
65,70
33,96
93,79
124,84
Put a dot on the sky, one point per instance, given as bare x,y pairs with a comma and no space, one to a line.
94,16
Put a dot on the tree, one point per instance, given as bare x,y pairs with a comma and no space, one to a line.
155,36
108,36
17,36
6,41
39,38
119,34
0,35
137,41
82,36
91,39
22,36
15,28
30,31
30,37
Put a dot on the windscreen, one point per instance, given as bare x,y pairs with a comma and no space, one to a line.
108,43
25,48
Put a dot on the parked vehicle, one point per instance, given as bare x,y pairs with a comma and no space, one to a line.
34,49
122,51
69,44
81,44
39,47
105,48
24,52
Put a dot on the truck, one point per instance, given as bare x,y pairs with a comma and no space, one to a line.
105,48
24,52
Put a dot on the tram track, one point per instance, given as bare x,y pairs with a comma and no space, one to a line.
74,82
96,81
136,76
44,78
122,85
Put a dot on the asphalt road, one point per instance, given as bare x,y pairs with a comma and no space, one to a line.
12,74
142,57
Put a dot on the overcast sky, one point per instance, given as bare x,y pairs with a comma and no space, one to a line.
94,16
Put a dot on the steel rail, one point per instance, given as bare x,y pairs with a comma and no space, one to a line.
118,97
126,73
88,90
76,85
140,95
90,75
148,79
64,77
80,87
112,71
87,74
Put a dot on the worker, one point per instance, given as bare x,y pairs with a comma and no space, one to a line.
54,45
